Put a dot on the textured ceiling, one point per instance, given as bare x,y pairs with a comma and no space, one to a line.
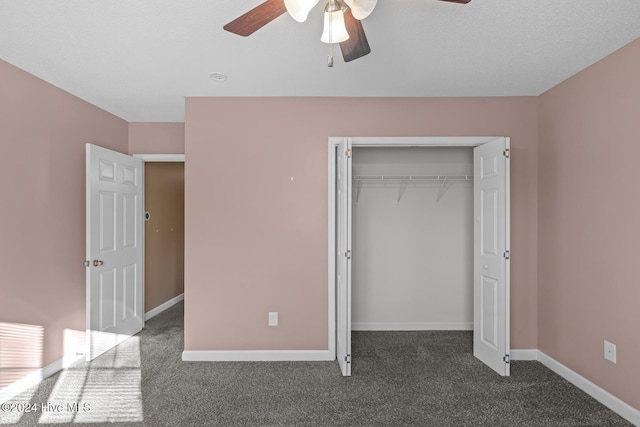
139,59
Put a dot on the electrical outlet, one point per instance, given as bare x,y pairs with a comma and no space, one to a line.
273,318
609,351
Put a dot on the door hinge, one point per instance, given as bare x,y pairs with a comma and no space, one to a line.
347,358
348,254
348,152
506,358
507,255
506,152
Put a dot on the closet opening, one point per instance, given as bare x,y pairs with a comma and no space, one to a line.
419,240
412,238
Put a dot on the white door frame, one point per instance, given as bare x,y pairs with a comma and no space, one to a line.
463,141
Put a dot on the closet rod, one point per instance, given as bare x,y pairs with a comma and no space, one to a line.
405,180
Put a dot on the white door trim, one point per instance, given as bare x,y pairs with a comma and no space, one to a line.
426,141
333,143
462,141
161,157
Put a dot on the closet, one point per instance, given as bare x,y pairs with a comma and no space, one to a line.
412,238
419,240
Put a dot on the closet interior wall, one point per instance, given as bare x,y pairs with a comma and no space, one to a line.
412,265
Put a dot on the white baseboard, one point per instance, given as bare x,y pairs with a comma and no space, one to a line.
30,380
256,355
162,307
621,408
412,326
37,376
523,354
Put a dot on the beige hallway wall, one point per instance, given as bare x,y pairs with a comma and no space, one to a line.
164,232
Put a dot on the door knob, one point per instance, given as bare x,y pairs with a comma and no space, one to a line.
97,263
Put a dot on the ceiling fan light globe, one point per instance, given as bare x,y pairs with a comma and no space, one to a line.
361,8
334,30
299,9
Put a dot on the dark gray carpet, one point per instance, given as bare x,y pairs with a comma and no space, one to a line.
399,379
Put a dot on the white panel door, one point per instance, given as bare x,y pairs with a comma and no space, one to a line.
343,256
491,255
113,248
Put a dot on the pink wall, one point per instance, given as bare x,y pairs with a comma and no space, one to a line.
589,209
156,138
257,242
43,131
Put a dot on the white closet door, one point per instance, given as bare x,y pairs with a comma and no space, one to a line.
343,257
114,248
491,254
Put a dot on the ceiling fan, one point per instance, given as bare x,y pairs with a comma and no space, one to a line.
341,21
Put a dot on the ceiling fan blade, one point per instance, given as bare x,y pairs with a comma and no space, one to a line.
356,46
256,18
458,1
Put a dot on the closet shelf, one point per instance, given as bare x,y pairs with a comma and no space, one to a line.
398,178
405,180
